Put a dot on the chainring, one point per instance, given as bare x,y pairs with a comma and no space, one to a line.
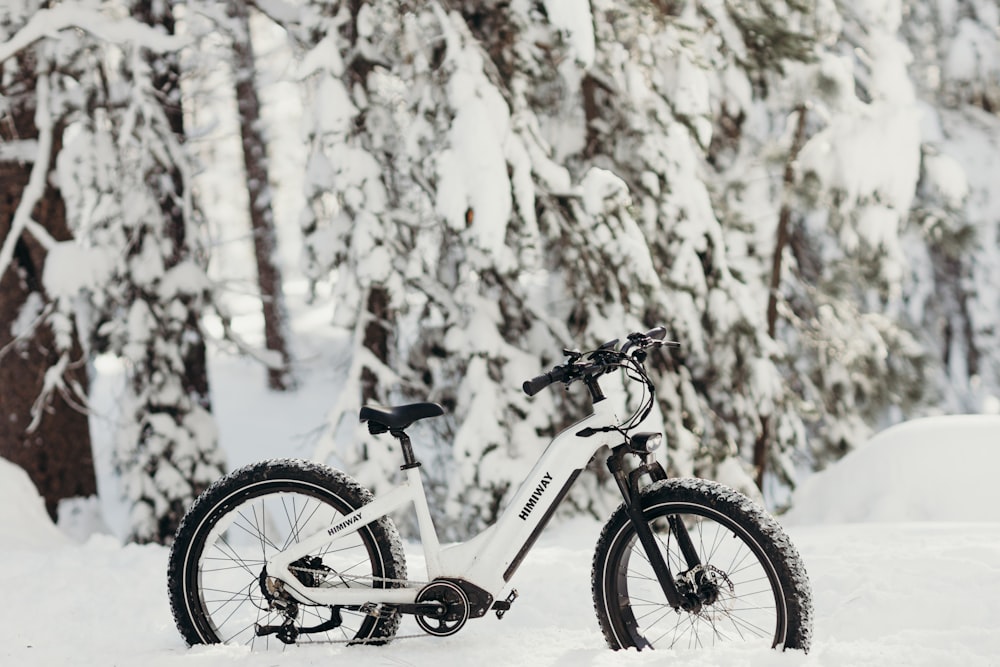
456,612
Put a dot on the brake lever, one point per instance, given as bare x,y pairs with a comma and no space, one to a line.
641,353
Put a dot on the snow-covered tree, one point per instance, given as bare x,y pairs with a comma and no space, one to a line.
423,204
956,50
134,269
109,130
167,451
438,192
858,172
43,379
815,181
636,94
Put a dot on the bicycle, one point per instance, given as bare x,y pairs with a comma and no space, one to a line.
301,552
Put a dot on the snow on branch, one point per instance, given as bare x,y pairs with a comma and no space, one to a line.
48,22
35,188
283,13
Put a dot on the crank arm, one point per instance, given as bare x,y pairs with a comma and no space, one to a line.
432,609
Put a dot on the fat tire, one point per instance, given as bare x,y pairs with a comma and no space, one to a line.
331,489
738,515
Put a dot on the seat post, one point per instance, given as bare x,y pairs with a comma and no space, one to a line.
409,460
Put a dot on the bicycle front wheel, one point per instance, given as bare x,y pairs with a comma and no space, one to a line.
218,589
748,583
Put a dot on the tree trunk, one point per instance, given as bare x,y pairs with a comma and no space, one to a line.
57,454
261,214
376,339
762,444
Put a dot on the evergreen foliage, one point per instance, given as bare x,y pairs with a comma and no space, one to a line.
799,191
133,278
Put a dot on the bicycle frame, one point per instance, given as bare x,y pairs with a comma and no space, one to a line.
489,559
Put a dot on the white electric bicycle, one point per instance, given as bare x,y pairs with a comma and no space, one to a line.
296,551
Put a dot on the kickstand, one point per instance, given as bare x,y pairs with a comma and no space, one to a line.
503,606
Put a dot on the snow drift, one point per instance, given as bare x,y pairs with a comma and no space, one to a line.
932,469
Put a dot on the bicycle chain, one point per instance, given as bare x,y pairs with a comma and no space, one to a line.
377,640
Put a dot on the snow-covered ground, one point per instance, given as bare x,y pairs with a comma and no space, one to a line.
913,579
901,540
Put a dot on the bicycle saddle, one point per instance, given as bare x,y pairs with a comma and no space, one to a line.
399,417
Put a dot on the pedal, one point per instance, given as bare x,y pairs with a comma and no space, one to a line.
502,606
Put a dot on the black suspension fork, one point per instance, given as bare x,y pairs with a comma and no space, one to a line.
628,485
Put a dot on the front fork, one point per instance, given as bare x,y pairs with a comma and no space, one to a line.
628,485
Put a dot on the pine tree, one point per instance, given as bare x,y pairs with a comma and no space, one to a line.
652,151
952,224
858,171
167,451
43,380
427,239
646,94
595,236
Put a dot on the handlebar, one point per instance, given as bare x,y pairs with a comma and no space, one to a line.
602,360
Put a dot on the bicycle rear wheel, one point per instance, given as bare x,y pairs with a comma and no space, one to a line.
750,585
218,591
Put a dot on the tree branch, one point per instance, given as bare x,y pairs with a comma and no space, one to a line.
38,180
48,22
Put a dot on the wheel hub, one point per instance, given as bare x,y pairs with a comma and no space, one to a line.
701,586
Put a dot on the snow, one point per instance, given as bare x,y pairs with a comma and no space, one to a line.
23,520
576,20
875,153
931,469
972,54
46,22
897,574
472,171
71,267
946,179
899,537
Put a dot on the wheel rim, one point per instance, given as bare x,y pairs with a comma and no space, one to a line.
248,528
753,610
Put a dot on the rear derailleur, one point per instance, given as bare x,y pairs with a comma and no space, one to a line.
311,572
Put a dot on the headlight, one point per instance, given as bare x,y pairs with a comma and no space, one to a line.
646,442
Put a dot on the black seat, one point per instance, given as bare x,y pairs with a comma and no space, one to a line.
399,417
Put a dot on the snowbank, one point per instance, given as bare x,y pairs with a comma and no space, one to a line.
885,594
933,469
24,523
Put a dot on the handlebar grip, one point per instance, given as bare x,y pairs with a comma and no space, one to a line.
536,384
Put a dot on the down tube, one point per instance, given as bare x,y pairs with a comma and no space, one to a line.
489,561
